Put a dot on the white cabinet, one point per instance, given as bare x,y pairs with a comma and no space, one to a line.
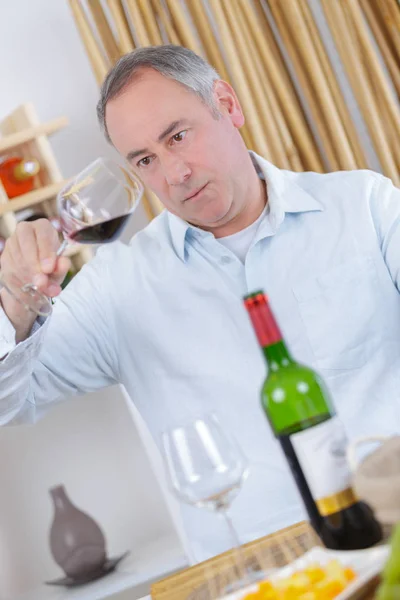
97,446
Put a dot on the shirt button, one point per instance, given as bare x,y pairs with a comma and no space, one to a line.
225,260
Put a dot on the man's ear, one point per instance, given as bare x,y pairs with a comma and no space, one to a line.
228,103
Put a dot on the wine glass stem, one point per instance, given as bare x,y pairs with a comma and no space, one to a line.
62,247
237,548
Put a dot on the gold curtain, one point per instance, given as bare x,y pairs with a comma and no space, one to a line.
296,114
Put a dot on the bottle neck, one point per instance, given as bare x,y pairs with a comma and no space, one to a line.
267,331
60,498
277,356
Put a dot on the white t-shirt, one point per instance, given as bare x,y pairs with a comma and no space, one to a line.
240,242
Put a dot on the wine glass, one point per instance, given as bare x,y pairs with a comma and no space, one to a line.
26,294
207,469
93,208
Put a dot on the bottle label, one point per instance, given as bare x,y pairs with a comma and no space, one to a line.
321,452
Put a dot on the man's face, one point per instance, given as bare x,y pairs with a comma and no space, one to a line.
180,150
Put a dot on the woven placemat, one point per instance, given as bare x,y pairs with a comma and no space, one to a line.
206,580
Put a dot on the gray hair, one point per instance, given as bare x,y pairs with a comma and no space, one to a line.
174,62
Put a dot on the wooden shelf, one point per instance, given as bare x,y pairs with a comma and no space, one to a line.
23,131
35,197
21,137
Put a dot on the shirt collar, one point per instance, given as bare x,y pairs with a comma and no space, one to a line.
283,192
284,196
178,229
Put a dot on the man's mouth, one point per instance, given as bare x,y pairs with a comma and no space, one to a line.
196,193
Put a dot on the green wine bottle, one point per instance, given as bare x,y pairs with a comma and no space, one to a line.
69,276
302,417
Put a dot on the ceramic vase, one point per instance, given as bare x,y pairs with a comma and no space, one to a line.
76,541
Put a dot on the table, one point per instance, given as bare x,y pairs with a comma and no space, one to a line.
211,577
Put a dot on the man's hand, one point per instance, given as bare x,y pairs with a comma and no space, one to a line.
30,254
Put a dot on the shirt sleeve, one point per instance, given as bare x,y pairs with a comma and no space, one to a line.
72,352
7,335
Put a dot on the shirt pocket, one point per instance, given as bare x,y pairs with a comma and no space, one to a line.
339,312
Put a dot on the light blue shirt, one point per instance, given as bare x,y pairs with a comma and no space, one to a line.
165,317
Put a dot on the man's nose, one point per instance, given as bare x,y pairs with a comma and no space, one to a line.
176,171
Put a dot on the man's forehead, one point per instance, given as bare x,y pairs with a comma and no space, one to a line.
159,136
152,104
145,109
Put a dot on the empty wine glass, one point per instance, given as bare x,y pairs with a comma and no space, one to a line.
207,469
93,208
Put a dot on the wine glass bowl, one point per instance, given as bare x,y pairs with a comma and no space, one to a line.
95,206
206,466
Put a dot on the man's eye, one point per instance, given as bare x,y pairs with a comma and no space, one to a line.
144,162
178,137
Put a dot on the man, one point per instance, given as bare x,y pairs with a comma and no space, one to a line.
164,315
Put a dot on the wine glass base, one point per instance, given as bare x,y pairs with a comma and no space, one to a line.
38,302
26,294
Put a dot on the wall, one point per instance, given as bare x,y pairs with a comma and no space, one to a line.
94,447
47,65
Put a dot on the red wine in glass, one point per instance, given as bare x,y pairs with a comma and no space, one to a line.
93,209
96,205
100,233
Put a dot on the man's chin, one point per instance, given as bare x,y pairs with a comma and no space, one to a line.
209,222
